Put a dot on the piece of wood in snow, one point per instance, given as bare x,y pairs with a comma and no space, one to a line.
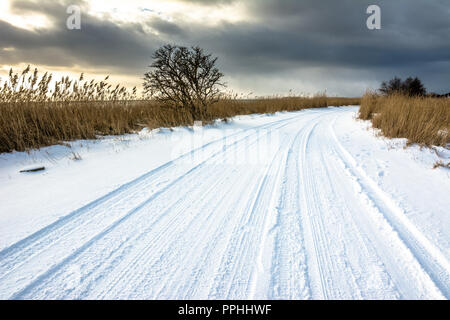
33,169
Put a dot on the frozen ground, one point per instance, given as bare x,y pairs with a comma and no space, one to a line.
303,205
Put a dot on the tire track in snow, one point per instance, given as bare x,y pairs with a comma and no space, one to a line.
289,270
347,258
341,260
243,272
239,230
202,226
124,259
428,256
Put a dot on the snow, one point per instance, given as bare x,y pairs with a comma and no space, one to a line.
303,205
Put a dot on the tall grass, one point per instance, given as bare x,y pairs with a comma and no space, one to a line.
28,86
34,113
422,120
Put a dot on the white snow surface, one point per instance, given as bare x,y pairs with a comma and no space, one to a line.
302,205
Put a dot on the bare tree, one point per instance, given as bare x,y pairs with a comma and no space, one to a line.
184,77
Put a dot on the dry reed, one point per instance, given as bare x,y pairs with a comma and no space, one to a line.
422,120
34,113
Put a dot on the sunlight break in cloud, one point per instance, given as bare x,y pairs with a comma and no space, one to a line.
179,11
24,20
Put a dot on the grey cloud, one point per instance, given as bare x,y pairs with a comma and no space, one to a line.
165,27
291,40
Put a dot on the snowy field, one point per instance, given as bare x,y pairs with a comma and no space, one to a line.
302,205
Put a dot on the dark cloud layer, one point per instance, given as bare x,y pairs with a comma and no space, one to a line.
326,42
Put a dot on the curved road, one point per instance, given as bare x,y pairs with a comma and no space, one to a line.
281,211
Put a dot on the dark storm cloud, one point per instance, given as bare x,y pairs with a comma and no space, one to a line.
328,36
334,33
414,39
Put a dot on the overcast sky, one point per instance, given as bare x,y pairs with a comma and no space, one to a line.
264,46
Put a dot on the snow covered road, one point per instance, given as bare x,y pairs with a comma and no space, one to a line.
282,209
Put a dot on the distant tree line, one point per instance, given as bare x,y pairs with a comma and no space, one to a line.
436,95
412,87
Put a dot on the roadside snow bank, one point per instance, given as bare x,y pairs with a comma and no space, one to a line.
406,173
